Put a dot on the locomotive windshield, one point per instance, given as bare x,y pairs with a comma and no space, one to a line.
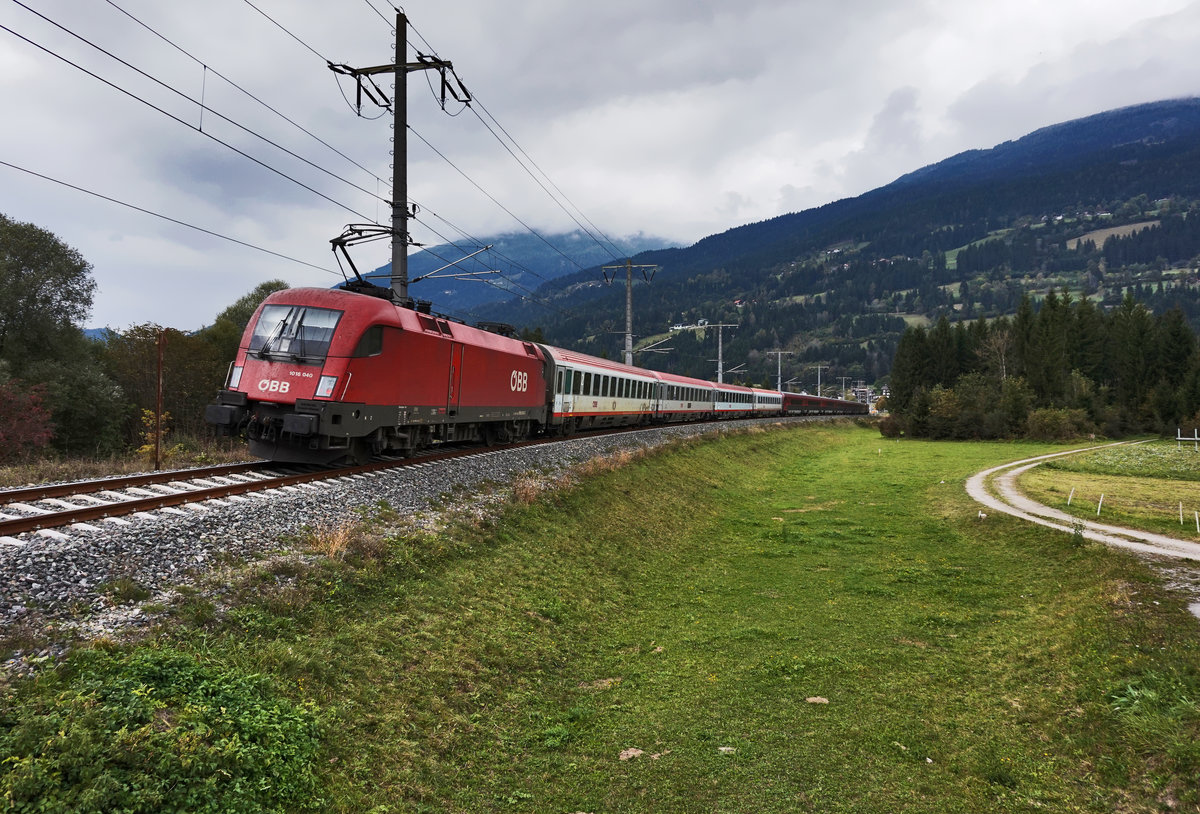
294,332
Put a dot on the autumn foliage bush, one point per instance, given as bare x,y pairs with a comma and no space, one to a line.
25,425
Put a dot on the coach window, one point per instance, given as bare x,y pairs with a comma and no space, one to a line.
558,383
587,384
576,381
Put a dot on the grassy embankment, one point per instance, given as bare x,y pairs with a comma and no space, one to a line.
808,619
174,455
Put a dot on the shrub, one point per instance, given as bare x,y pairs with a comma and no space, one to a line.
25,425
157,731
1048,424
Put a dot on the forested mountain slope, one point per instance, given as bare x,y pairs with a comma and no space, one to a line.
965,237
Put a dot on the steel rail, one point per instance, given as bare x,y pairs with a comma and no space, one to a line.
25,494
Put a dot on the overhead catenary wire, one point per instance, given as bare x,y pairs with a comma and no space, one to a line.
493,199
190,126
511,286
163,217
533,297
314,51
607,249
203,107
222,76
275,23
614,250
381,14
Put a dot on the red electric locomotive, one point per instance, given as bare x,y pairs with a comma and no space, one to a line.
323,375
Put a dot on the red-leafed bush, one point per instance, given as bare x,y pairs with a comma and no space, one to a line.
25,425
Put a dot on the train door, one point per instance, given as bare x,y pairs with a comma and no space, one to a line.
455,387
565,388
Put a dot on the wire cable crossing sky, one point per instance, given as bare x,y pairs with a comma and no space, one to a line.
674,120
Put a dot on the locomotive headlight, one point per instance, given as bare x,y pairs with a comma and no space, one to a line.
325,386
235,376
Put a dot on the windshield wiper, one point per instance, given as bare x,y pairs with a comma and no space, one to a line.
276,334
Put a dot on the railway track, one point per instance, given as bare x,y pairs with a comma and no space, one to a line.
78,504
42,508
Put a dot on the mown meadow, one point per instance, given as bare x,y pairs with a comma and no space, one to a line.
809,618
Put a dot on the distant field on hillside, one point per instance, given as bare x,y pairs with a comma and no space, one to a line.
1101,235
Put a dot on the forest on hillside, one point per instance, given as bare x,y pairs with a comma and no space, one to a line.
845,307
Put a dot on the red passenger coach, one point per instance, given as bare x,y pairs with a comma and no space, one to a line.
324,374
804,404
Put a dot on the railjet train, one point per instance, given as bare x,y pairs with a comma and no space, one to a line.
325,375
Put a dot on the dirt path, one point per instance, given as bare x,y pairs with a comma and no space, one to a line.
1165,551
1010,501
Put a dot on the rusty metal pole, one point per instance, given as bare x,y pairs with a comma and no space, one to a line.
162,340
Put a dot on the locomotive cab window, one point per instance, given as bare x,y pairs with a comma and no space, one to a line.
294,332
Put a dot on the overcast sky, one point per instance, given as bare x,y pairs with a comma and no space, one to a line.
675,118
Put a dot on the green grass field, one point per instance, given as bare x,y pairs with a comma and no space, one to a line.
805,619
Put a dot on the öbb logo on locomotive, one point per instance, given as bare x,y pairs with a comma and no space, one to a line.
324,375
